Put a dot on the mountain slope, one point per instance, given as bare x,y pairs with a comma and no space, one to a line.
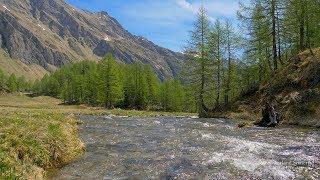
51,33
295,90
15,66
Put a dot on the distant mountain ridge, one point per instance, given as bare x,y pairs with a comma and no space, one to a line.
50,33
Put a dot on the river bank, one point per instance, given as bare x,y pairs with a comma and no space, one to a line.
38,134
35,137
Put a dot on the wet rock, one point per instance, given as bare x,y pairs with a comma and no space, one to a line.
181,169
270,117
243,124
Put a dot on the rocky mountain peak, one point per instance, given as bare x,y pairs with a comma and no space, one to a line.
51,33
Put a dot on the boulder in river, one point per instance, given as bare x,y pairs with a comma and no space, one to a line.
270,117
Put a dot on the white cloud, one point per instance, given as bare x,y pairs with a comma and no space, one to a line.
164,12
186,5
214,7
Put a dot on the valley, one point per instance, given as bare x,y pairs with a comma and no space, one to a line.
82,97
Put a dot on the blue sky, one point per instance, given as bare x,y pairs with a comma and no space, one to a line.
165,22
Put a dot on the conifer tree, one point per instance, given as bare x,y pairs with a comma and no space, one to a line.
217,51
172,96
12,83
136,87
177,95
110,88
2,81
91,87
21,84
197,68
152,86
302,24
111,84
232,42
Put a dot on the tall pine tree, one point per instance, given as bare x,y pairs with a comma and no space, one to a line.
110,88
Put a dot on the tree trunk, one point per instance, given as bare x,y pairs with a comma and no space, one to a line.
268,58
279,39
228,86
260,62
308,33
201,96
302,26
274,42
218,71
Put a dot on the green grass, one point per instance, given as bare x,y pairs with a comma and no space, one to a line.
48,104
33,141
14,66
39,134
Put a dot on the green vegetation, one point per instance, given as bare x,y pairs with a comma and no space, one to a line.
40,133
13,84
113,85
211,69
33,140
278,30
275,31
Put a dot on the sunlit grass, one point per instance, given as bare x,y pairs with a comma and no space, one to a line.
33,141
47,104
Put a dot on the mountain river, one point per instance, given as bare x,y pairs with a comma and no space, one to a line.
191,148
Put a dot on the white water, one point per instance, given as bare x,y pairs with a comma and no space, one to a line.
186,148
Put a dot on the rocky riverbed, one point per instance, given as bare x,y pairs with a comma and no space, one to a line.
191,148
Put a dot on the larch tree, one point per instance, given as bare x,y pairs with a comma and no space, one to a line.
12,83
153,84
2,81
217,51
135,87
232,42
110,88
302,24
91,87
197,66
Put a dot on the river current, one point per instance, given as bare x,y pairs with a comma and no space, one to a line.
191,148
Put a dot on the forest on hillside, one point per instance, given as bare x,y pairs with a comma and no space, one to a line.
272,32
108,84
223,61
114,85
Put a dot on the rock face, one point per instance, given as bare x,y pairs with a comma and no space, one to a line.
51,33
